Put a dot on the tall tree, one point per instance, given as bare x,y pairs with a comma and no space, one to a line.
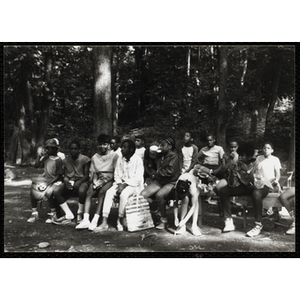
103,119
19,149
276,63
223,72
47,96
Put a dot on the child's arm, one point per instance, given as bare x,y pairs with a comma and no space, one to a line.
84,178
169,169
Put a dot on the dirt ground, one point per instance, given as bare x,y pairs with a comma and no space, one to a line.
23,237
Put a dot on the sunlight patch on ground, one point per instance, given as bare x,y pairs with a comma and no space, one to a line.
18,183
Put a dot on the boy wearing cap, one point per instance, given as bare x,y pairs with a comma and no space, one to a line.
168,171
42,187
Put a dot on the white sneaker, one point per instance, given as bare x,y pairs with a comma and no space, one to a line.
51,217
255,231
33,217
83,225
92,226
229,226
291,230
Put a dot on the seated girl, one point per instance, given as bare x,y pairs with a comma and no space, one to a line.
102,171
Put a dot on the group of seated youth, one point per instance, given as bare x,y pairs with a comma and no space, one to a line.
159,173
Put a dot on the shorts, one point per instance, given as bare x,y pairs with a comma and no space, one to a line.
41,195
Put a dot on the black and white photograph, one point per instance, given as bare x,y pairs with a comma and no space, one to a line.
149,148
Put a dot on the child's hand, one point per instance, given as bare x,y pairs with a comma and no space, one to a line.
176,222
121,187
69,184
76,185
181,223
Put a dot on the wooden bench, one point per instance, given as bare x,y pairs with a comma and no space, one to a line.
245,201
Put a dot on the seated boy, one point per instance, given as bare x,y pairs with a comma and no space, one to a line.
76,176
42,187
211,156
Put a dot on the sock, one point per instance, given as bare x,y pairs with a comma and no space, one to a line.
258,223
53,210
95,219
67,211
34,210
80,208
86,217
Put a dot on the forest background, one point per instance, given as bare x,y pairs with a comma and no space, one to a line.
234,91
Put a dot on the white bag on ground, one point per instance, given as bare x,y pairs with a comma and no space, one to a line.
138,214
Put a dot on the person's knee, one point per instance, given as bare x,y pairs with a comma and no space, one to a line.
257,195
222,192
160,196
144,193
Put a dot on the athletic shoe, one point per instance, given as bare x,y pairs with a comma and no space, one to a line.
255,231
120,227
52,216
92,226
83,224
101,228
162,224
291,230
79,217
62,221
229,226
34,217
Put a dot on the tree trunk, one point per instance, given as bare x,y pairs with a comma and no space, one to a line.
115,93
188,69
221,120
272,100
258,99
33,123
103,119
291,161
19,149
138,59
44,117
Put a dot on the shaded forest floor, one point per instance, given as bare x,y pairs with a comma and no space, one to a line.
23,237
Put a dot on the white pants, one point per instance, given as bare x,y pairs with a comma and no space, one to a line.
124,196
